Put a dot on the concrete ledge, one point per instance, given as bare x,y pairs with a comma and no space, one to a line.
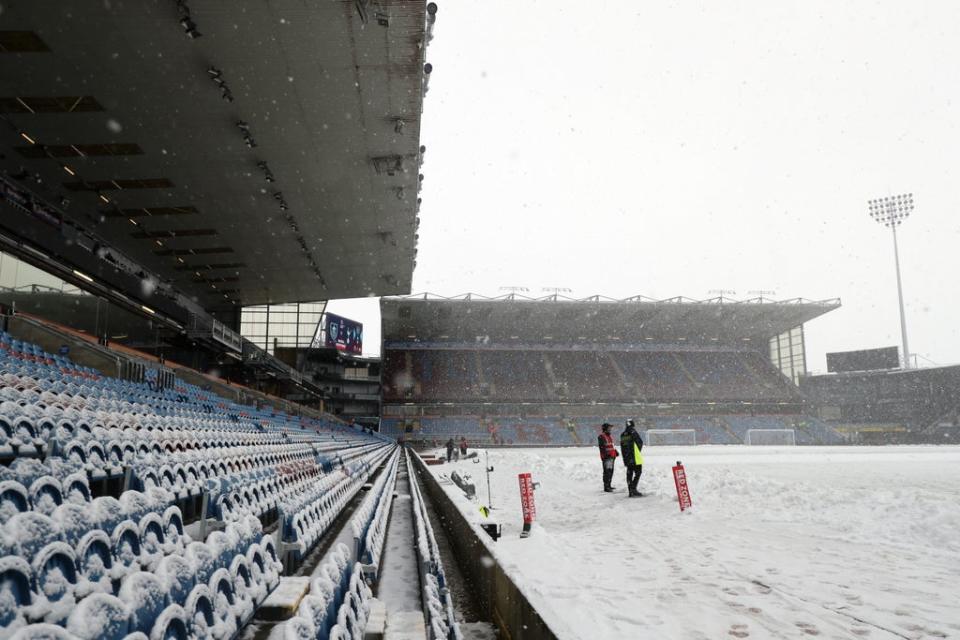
282,603
376,621
498,597
406,625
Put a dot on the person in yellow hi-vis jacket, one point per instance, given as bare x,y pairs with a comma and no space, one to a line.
631,447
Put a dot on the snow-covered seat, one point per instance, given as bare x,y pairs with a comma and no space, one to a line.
75,452
224,547
171,625
96,459
178,576
15,595
95,562
225,605
299,628
108,512
203,560
45,428
248,593
145,596
30,532
173,527
136,505
125,544
55,580
6,435
100,617
24,436
74,522
153,544
46,494
76,489
319,611
14,499
199,609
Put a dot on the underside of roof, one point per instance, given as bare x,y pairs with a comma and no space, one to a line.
235,152
636,320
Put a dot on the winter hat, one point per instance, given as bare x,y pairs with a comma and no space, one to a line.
606,425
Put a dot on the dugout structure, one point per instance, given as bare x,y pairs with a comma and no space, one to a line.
515,370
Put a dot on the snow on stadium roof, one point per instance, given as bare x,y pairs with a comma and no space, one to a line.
635,320
235,152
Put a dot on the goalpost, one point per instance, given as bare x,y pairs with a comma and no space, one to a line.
670,437
781,437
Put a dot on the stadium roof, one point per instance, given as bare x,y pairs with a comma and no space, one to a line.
716,321
273,158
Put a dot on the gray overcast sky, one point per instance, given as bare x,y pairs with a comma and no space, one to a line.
620,147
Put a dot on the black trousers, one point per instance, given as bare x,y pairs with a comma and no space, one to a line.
607,473
633,477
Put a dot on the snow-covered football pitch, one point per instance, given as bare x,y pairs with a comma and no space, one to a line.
781,542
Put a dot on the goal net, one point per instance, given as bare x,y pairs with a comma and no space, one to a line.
671,437
770,437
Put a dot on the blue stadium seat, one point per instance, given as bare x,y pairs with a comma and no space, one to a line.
100,617
15,592
145,596
199,608
14,499
95,561
224,600
171,625
178,577
55,578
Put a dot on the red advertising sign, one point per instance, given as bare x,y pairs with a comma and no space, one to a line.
526,498
683,491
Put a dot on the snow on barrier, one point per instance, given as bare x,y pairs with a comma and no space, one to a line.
369,524
437,604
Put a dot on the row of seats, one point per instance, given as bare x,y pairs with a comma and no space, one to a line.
369,523
208,590
338,604
438,605
306,517
79,567
83,387
532,375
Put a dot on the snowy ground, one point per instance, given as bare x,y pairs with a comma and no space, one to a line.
782,542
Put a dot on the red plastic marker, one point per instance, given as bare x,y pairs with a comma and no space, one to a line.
683,491
527,503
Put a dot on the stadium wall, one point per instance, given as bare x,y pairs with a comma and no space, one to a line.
497,595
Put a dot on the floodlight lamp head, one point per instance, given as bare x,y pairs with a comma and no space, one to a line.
891,211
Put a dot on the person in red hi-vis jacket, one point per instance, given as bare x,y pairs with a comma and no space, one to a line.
608,453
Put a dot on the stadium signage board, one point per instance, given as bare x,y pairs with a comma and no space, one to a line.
864,360
342,334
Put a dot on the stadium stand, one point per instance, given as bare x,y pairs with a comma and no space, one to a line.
450,375
899,406
526,372
103,566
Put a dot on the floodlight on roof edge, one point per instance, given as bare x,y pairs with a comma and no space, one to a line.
891,212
